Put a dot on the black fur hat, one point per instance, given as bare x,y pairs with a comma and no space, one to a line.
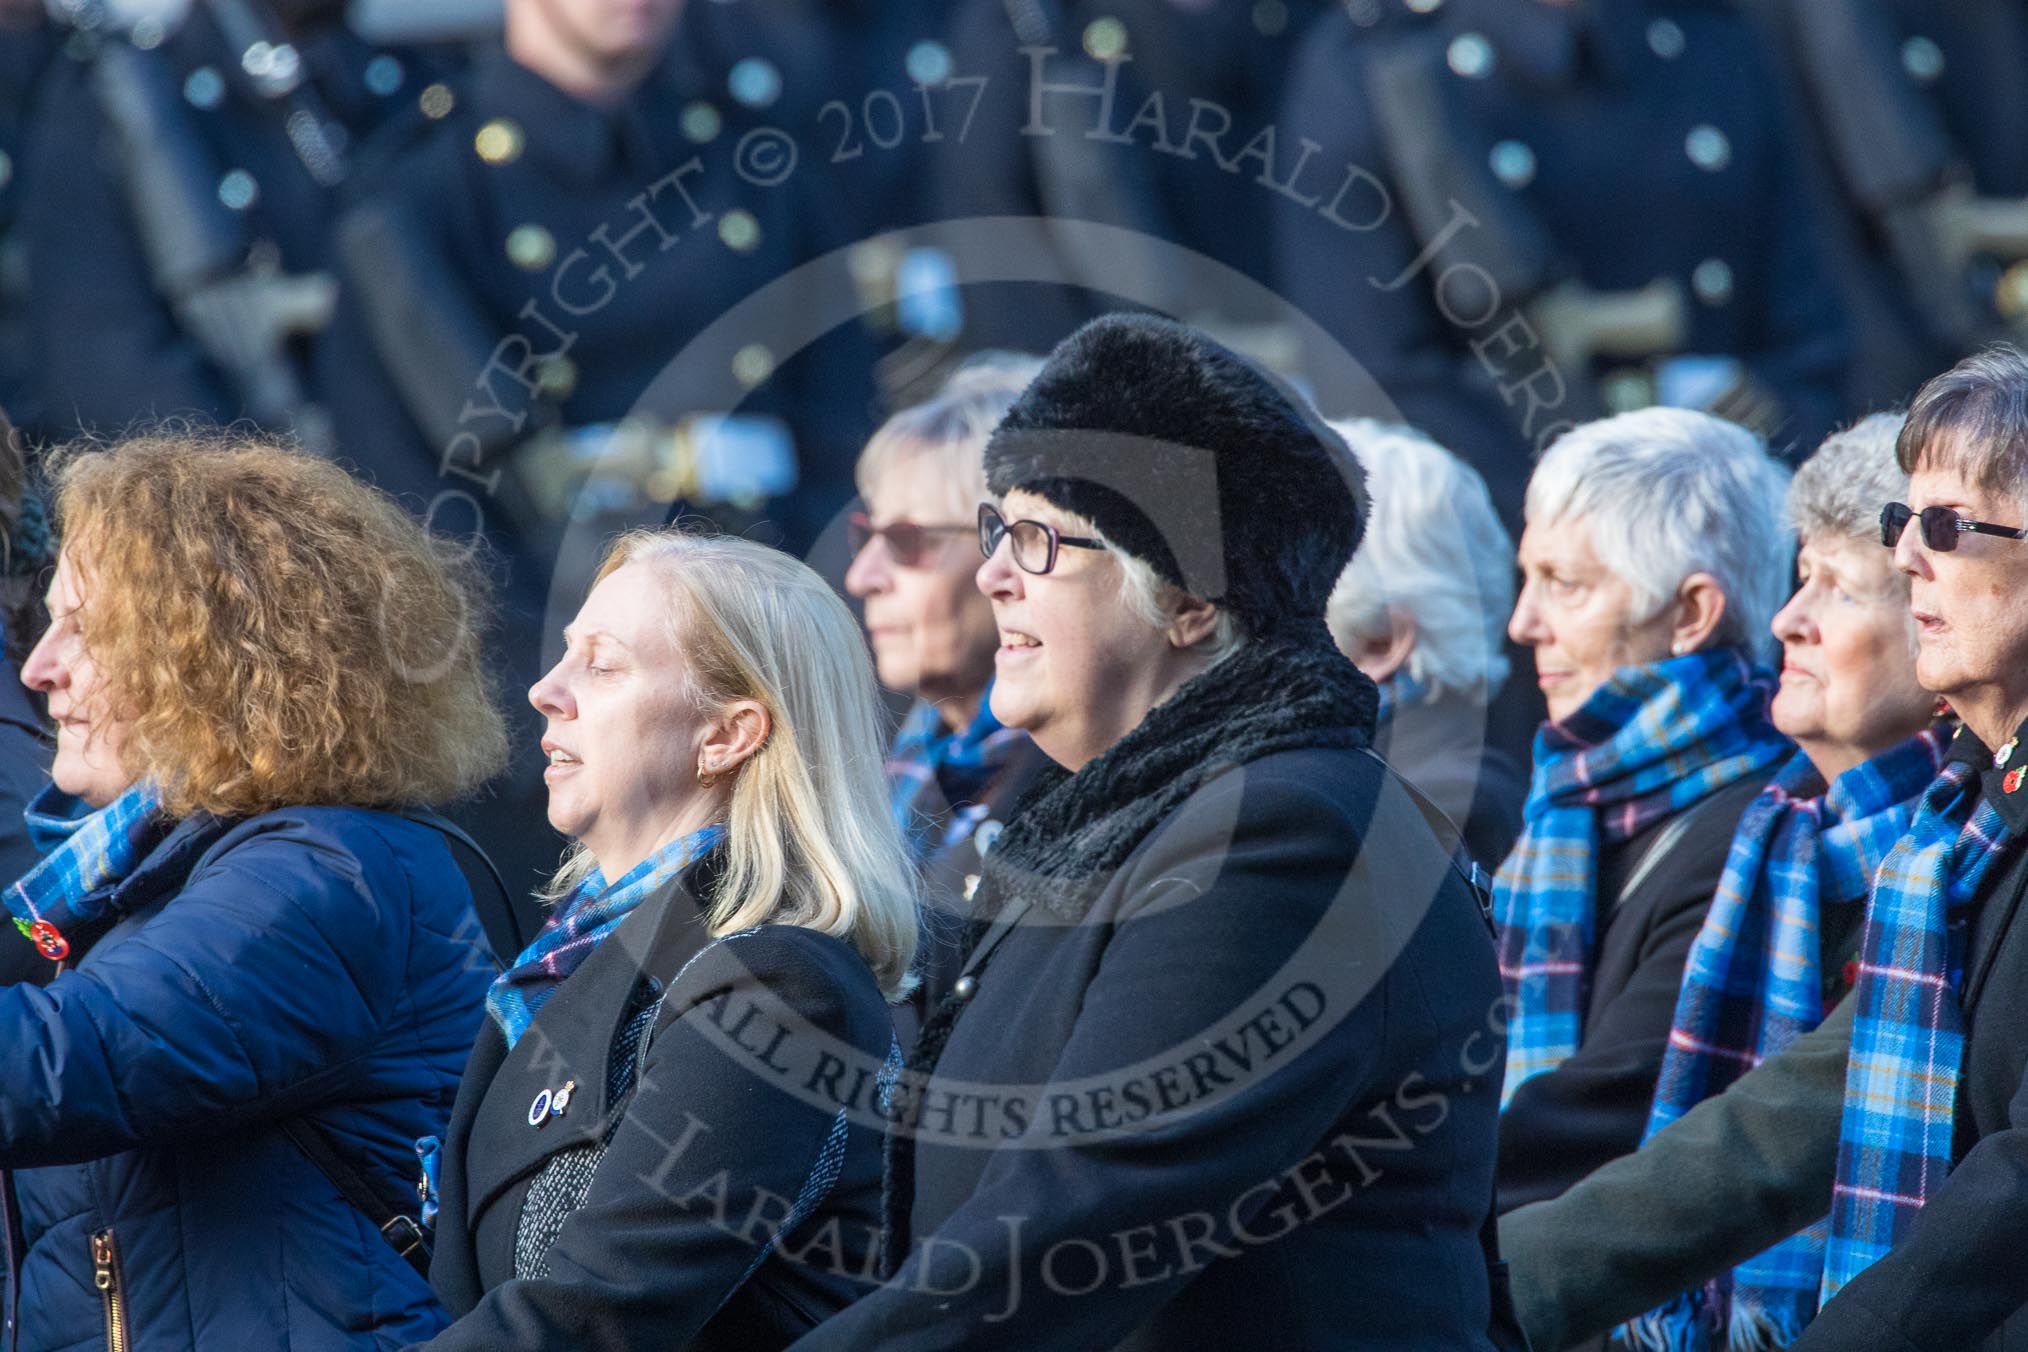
1193,459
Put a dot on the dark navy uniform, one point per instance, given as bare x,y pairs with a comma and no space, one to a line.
1172,67
812,65
556,319
1474,168
27,54
1918,122
178,235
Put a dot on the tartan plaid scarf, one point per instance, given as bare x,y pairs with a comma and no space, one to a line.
65,902
1649,743
936,777
1901,1082
1754,984
592,911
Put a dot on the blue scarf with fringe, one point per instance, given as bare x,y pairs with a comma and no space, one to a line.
1754,983
1651,742
1908,1037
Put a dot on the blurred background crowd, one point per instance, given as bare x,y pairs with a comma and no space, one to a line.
553,267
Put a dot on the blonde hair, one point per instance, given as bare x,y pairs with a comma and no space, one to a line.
810,840
274,632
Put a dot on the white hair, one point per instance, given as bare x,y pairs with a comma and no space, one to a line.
1434,547
1841,489
1667,492
946,434
1151,598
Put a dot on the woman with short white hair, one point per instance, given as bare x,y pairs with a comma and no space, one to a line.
739,909
1654,556
1421,609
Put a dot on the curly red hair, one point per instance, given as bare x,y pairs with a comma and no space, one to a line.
272,631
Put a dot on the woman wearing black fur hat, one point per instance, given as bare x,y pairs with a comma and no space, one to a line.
1211,1052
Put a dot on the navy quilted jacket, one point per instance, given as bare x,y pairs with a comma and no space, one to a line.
317,963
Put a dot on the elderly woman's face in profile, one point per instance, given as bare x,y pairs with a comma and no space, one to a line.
931,631
1076,667
1848,689
1970,603
88,734
1578,616
623,731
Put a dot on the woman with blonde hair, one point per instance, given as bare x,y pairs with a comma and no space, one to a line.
267,963
669,1135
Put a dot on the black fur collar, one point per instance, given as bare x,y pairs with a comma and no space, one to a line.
1071,832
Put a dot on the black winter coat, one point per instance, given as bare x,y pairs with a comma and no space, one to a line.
734,1111
1244,1077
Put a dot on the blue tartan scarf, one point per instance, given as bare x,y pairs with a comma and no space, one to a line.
65,902
1649,743
1754,983
592,911
1894,1145
936,777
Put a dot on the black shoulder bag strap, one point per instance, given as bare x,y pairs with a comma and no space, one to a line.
502,923
1503,1327
400,1229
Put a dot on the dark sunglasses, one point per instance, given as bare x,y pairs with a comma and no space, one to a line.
1034,543
1940,526
910,542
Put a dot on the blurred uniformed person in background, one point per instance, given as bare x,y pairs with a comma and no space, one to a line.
28,49
1078,161
1917,114
525,345
1530,213
184,167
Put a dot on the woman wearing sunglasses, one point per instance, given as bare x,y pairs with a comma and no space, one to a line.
954,770
1900,1119
1140,1107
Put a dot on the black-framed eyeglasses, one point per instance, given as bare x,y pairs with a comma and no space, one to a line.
1034,543
1940,526
910,542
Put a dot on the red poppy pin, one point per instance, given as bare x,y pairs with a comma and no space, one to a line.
2012,781
49,940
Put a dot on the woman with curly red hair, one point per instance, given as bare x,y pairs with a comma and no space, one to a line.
269,971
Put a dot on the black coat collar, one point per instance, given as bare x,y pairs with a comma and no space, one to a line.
571,1039
2012,807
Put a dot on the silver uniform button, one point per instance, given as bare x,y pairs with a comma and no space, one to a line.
1665,39
1708,148
1514,164
1712,281
1471,56
1922,59
237,190
965,987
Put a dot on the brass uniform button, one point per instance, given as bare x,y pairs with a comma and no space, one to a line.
531,247
499,141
